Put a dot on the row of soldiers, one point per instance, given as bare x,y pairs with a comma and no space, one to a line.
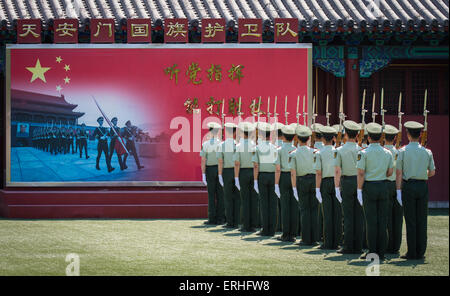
61,140
350,196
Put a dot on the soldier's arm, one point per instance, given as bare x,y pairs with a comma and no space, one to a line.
337,176
277,174
294,178
398,179
337,170
431,167
255,160
255,170
237,166
389,172
203,165
318,178
360,178
220,165
278,167
293,166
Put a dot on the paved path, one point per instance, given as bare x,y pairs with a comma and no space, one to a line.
33,165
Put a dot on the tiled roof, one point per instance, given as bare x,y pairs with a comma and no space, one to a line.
320,13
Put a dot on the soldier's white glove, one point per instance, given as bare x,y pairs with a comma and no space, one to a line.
359,196
204,179
255,186
399,197
236,182
318,195
338,194
295,193
221,180
277,190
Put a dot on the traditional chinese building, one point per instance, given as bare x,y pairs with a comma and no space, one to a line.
367,45
40,110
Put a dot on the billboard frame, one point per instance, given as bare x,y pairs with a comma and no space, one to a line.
7,104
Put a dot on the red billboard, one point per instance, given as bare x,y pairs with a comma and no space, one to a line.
137,114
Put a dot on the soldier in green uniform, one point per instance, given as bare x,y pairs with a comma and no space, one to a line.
264,179
325,191
318,144
395,210
277,140
209,166
283,187
375,164
415,164
345,178
295,143
277,135
303,177
226,176
243,178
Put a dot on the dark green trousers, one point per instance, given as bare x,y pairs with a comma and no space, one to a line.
289,207
268,202
249,200
352,213
332,215
278,229
232,198
375,204
306,188
395,220
415,207
320,222
216,208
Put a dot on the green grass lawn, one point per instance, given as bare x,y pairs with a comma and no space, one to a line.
186,247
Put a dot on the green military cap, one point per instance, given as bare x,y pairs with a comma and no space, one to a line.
390,130
230,125
246,126
264,126
413,125
303,131
288,130
374,128
327,130
278,126
214,125
351,125
316,127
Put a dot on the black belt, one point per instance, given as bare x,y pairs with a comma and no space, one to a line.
326,178
349,177
414,180
308,176
266,173
376,182
246,168
211,166
285,173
